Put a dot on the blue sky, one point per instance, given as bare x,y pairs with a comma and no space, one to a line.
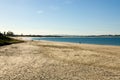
71,17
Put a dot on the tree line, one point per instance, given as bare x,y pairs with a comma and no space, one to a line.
8,33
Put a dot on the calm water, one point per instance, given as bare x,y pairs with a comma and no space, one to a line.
102,41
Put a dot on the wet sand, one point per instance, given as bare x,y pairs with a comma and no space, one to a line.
44,60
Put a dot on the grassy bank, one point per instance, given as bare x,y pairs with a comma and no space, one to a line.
4,40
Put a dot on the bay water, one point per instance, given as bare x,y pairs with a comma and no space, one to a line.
84,40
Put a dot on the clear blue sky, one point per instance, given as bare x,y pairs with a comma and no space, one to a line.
72,17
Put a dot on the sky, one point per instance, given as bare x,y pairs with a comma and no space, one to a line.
60,17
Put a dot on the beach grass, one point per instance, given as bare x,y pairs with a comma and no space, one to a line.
4,40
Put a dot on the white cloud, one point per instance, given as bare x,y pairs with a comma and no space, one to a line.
40,11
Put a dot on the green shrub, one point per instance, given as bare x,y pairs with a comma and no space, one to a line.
4,40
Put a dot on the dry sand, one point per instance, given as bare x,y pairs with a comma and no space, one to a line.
43,60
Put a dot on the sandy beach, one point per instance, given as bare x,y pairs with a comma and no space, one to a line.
44,60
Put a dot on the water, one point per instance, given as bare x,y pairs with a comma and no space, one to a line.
101,41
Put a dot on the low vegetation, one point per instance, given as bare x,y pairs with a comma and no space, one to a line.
4,40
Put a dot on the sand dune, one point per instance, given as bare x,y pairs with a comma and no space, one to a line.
44,60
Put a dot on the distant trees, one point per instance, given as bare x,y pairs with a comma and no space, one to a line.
4,33
1,34
9,33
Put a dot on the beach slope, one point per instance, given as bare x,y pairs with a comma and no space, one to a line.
44,60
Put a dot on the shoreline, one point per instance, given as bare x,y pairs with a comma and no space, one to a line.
79,43
28,39
46,60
